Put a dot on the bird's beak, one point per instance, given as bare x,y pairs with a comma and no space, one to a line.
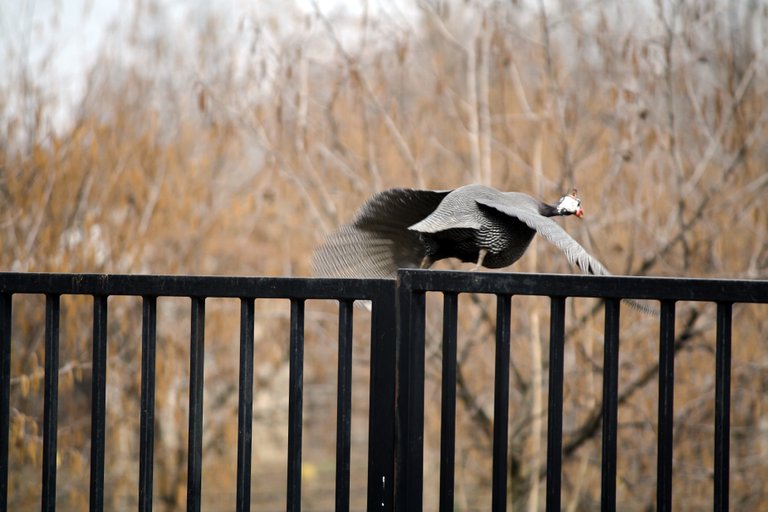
579,212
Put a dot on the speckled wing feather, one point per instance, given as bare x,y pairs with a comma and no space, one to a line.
557,236
378,241
554,234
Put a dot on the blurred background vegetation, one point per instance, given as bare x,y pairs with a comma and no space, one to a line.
231,139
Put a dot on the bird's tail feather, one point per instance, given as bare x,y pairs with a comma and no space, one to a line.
364,253
378,241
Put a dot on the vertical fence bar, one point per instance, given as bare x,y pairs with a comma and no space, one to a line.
409,473
344,406
555,408
501,405
6,300
610,404
722,405
245,406
448,402
51,400
381,420
666,406
98,401
147,420
295,405
196,375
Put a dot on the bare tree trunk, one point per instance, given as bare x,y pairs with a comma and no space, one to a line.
472,111
486,133
537,398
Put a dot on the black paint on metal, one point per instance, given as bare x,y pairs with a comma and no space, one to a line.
409,454
610,404
51,400
147,419
396,417
448,402
381,415
501,405
295,405
98,402
666,406
245,406
555,402
6,300
722,404
344,406
196,376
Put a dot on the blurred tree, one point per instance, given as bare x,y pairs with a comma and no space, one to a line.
232,142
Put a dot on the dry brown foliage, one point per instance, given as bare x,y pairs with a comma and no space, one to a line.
235,148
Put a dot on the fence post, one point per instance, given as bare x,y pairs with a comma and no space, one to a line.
409,455
381,421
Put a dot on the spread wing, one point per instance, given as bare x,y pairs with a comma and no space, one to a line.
557,236
552,232
378,241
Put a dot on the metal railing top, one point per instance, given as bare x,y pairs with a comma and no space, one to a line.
512,283
192,286
573,285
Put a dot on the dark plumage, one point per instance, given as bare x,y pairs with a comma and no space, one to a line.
410,228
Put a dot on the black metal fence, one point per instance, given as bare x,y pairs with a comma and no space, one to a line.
380,293
396,416
410,397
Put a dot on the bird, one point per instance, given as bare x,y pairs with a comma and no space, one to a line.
409,228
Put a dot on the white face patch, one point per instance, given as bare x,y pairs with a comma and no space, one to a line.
568,204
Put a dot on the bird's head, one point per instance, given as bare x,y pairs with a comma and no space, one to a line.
570,204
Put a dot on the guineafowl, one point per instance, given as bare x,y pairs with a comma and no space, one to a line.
410,228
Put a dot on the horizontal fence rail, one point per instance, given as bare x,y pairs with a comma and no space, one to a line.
380,293
570,285
397,376
194,286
